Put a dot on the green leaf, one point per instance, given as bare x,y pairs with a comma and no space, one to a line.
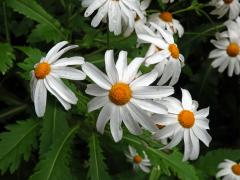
208,163
34,11
97,169
33,57
171,164
54,126
155,173
17,143
6,57
55,163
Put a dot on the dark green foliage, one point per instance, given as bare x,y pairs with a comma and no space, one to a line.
17,144
6,57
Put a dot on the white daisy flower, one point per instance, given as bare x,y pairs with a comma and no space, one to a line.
123,95
184,122
167,22
223,6
233,29
137,160
164,52
138,23
118,12
46,76
226,54
229,170
167,1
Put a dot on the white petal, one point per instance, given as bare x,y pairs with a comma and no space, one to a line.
33,83
68,73
202,113
102,12
129,122
145,80
166,132
157,57
223,172
141,117
177,137
55,49
168,37
95,90
55,57
110,67
187,145
69,61
40,98
64,103
150,106
152,92
174,105
95,5
104,117
61,89
202,123
153,40
167,73
96,75
186,99
121,64
144,168
115,124
164,120
195,146
177,71
202,135
132,69
97,103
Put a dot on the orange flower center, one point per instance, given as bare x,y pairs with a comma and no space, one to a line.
233,49
42,70
186,118
159,126
236,169
174,50
137,159
228,1
120,94
166,16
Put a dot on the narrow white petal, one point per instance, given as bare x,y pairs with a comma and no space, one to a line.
153,40
104,117
102,12
77,60
166,132
202,113
40,98
144,168
115,124
121,64
202,123
167,36
186,99
164,120
97,103
195,146
202,135
174,105
68,73
55,49
177,137
145,80
96,75
187,145
95,5
95,90
110,67
61,89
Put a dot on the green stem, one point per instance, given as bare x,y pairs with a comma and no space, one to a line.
13,111
190,8
6,23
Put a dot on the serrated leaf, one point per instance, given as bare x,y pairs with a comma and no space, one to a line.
97,169
55,163
6,57
54,126
32,10
43,32
155,173
17,144
33,56
171,164
213,158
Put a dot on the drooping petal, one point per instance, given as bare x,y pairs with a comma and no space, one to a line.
104,117
145,80
186,99
68,61
68,73
115,124
97,103
95,90
55,49
110,67
40,98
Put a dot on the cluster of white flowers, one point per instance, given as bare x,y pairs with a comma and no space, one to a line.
123,93
227,43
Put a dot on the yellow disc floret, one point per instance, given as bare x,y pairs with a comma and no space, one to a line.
120,93
174,50
236,169
137,159
166,16
228,1
233,49
186,118
42,70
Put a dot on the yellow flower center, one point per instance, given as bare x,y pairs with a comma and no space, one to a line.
186,118
228,1
137,159
42,70
236,169
166,16
120,93
174,50
233,49
159,126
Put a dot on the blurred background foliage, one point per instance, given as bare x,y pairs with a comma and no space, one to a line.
28,28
